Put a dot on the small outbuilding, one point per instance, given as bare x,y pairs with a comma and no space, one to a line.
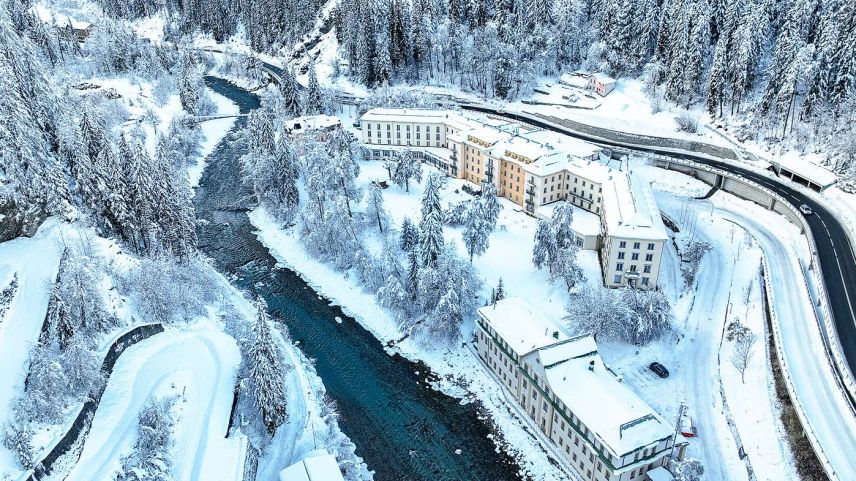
318,465
601,83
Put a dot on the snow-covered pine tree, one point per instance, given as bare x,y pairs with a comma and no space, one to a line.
544,248
288,88
717,79
375,209
409,237
18,439
267,371
476,234
431,240
187,88
413,274
444,322
313,104
407,167
498,293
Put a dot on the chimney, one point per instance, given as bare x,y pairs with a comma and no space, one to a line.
591,365
555,334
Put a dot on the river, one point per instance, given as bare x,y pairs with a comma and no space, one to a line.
402,428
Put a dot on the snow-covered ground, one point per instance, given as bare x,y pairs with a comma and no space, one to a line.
697,354
35,261
509,257
197,365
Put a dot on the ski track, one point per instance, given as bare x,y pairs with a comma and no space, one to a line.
199,366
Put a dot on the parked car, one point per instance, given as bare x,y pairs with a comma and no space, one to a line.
805,209
659,369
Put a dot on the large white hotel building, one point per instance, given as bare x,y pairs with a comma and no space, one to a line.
596,423
615,211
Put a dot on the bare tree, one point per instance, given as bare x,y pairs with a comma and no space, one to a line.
743,350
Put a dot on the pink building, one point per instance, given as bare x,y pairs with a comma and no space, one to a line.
601,84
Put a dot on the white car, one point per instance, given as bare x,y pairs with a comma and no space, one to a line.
805,209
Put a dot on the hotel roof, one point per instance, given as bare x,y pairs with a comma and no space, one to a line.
605,405
630,209
522,327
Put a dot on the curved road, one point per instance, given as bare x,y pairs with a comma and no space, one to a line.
200,367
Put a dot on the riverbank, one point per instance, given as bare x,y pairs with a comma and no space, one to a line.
401,427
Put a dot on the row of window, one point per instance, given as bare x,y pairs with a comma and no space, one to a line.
644,279
398,128
619,267
636,245
635,256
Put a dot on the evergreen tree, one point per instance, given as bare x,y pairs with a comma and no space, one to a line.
409,239
407,167
498,293
545,247
716,83
431,238
288,88
267,371
476,230
313,94
413,274
375,209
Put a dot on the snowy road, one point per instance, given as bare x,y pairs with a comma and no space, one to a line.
36,262
199,366
825,406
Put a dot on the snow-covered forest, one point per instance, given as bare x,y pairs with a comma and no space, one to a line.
101,136
785,69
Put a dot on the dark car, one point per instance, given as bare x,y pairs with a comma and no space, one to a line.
659,369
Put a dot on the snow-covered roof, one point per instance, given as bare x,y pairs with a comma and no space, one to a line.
489,135
630,210
583,223
660,474
312,122
606,406
603,78
561,351
573,79
425,116
522,327
807,170
317,466
48,16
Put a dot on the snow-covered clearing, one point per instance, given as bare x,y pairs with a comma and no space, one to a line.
36,262
197,365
